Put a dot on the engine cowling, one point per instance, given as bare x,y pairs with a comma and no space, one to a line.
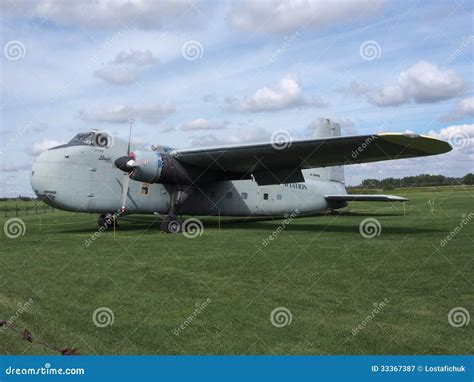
154,167
147,166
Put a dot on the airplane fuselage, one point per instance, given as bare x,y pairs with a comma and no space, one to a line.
83,178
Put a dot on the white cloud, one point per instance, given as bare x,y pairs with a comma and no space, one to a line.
464,109
421,83
287,94
38,147
92,14
238,137
204,124
136,57
152,114
116,75
355,89
15,167
288,15
125,68
389,96
449,132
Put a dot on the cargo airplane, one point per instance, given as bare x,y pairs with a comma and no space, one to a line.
96,173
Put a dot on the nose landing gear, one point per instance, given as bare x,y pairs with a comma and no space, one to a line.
107,220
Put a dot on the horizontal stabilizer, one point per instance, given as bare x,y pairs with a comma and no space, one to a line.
364,198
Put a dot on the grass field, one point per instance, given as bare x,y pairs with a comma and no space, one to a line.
215,294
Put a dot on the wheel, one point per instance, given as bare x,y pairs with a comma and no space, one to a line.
171,224
107,220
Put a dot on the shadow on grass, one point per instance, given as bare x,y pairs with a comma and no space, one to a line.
327,223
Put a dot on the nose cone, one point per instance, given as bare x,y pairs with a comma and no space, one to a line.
41,182
37,176
122,163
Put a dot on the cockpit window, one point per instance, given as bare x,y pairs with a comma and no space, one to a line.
82,139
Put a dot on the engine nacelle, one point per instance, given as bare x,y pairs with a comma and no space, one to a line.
154,167
147,166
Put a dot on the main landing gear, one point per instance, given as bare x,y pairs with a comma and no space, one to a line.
171,223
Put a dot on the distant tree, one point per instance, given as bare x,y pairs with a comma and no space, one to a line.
422,180
468,178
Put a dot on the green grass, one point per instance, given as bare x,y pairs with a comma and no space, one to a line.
319,267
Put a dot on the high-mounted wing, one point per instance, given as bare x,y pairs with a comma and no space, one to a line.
272,164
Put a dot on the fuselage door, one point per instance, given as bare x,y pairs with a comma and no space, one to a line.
265,200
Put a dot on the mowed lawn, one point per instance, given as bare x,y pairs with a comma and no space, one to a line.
215,294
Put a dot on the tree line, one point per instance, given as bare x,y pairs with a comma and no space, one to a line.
422,180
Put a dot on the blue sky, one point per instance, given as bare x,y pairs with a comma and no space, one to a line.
211,73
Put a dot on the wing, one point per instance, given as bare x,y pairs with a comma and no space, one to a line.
281,162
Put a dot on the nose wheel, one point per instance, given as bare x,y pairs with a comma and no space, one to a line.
107,220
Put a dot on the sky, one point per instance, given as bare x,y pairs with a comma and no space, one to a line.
210,73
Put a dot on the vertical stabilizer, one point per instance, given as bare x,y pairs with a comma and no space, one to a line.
328,129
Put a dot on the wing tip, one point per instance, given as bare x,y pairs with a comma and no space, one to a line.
431,145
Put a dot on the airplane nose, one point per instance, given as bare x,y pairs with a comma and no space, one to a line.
36,177
43,185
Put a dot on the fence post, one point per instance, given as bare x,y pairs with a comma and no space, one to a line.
26,209
16,209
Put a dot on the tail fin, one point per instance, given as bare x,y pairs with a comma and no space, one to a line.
327,129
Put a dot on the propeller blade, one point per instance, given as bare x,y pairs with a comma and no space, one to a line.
126,180
129,136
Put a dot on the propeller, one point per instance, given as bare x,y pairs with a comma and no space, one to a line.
126,164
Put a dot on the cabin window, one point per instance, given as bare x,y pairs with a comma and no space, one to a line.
145,189
244,195
228,195
278,196
265,196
